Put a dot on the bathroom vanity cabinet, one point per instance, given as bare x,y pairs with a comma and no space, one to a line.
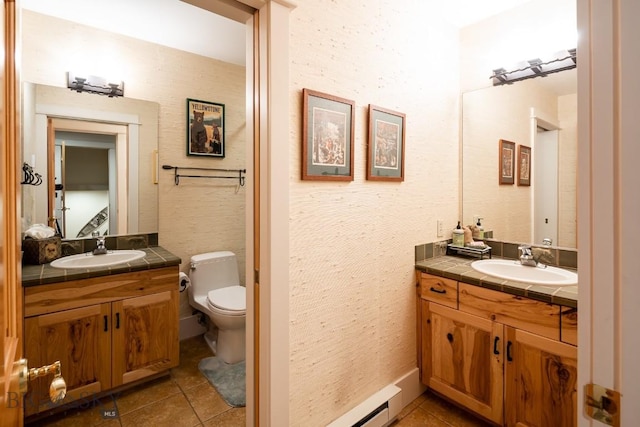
106,331
497,354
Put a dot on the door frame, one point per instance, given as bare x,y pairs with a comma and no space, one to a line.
123,197
268,251
82,119
539,119
608,205
267,201
11,411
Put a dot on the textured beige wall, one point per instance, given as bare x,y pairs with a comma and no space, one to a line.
199,215
352,293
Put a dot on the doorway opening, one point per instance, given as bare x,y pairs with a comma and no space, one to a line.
84,191
89,186
545,182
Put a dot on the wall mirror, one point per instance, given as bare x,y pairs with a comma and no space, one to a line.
98,160
540,113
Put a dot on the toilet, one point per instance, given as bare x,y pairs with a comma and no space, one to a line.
215,290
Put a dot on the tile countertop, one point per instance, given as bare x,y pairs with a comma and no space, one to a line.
459,268
157,257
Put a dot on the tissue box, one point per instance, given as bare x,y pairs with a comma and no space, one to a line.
41,251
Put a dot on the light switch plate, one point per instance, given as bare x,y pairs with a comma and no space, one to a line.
440,231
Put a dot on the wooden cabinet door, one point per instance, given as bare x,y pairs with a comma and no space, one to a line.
81,340
145,336
541,381
462,358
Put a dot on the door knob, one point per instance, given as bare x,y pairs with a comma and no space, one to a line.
58,386
57,389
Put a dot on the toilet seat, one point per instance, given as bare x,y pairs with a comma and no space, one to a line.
231,300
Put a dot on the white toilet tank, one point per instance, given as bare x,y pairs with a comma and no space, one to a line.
213,270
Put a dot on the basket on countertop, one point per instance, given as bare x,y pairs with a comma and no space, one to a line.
41,251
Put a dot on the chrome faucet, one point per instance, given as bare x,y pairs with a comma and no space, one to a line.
100,248
526,256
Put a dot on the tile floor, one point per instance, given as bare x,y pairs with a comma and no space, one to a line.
433,411
185,398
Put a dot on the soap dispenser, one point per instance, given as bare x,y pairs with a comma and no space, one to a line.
480,229
458,236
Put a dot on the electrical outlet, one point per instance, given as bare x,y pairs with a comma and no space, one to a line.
440,229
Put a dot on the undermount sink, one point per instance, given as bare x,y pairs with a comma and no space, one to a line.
513,270
88,260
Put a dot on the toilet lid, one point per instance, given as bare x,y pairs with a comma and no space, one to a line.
231,298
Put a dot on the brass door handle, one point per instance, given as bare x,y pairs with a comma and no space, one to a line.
58,386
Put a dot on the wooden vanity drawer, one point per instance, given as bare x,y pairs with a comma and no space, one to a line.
519,312
54,297
438,289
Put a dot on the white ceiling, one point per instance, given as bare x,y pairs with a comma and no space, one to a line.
180,25
466,12
170,23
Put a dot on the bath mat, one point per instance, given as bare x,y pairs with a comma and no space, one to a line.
228,379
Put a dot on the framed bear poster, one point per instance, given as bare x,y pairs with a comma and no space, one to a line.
205,128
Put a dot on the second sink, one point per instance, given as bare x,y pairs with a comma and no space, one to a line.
513,270
88,260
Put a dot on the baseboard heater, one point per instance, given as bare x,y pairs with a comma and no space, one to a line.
377,411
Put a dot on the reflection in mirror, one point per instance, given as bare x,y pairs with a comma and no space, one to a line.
524,112
88,177
110,187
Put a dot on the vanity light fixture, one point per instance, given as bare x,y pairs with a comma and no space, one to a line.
563,60
94,84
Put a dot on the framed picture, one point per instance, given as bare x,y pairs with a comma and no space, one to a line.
524,165
507,159
327,137
205,129
385,145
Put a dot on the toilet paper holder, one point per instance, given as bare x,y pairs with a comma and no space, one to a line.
183,281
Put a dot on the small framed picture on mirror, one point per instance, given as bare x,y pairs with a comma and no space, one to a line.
524,165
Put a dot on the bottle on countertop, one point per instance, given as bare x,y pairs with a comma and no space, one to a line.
480,229
458,236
